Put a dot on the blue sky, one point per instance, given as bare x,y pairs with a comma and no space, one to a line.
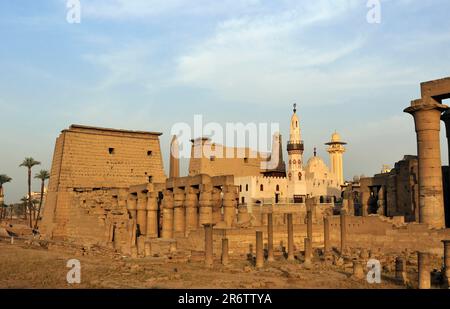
148,64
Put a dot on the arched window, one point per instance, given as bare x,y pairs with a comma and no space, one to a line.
296,124
278,188
299,176
290,176
246,187
295,162
240,188
261,188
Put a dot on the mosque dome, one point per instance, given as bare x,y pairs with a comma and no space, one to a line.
316,165
335,137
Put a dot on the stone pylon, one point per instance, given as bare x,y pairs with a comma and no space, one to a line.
427,117
174,158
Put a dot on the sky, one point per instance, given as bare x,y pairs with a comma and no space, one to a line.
149,64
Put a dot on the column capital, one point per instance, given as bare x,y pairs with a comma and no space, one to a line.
425,104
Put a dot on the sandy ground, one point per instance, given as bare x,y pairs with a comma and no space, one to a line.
26,266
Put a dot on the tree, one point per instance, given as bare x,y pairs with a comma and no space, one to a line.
29,163
43,175
3,179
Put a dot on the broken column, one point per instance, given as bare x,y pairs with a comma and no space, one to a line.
141,210
270,257
209,259
427,114
326,235
152,215
343,218
309,226
308,251
225,259
423,261
179,220
290,230
400,271
447,261
205,204
229,205
358,271
191,205
167,208
259,249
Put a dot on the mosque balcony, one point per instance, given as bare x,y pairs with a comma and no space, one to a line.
295,146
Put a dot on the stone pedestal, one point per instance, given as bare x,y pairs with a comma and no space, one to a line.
427,115
167,225
424,270
343,219
270,257
290,230
152,215
308,252
259,250
209,258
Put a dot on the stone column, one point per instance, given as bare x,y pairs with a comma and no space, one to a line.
179,219
364,195
447,261
132,205
191,205
229,205
216,197
209,259
308,251
309,225
142,212
205,203
343,218
326,235
446,119
427,114
167,207
225,259
152,215
290,230
423,261
259,250
270,257
381,201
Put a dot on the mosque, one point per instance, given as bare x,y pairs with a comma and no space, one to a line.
280,185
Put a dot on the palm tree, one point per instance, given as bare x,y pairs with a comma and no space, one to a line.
43,175
29,163
3,179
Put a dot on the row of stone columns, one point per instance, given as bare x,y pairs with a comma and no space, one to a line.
143,208
183,211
